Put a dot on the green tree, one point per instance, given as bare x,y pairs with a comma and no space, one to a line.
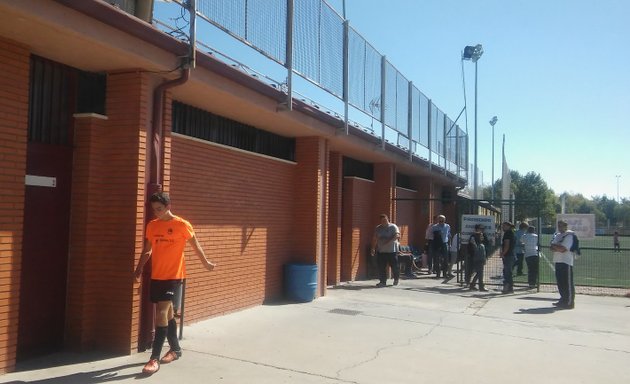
536,197
607,206
533,198
622,214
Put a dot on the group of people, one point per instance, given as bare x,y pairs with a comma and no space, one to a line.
441,256
167,235
516,249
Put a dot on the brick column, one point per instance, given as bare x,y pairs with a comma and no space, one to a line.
107,223
384,191
88,186
311,196
333,261
14,88
425,188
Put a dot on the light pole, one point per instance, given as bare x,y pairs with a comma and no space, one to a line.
493,121
473,53
618,176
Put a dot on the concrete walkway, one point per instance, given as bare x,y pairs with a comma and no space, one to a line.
422,331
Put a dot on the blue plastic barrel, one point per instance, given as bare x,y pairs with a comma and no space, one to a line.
300,282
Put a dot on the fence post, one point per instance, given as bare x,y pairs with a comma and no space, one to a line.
289,55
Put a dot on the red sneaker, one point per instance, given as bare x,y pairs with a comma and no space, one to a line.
151,367
170,356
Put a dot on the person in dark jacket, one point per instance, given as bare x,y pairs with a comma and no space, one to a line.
477,245
507,255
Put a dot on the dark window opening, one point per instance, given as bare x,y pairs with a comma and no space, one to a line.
91,93
403,181
57,92
356,168
194,122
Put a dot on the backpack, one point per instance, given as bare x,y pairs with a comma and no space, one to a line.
476,251
575,247
480,253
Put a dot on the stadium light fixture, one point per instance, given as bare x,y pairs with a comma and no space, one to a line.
473,53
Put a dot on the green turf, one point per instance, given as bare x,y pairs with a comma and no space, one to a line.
598,266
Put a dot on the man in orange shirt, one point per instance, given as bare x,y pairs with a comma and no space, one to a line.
165,240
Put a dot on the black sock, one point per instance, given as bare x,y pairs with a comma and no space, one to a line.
173,341
158,342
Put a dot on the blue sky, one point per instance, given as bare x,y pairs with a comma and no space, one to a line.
554,72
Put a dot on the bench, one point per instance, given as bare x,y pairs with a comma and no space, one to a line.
410,259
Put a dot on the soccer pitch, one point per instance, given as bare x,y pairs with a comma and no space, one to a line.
598,266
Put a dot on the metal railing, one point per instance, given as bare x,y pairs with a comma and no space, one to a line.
336,69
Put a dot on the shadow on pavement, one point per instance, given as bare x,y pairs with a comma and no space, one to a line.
94,377
536,298
536,311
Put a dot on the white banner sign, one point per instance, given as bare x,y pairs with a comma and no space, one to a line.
468,226
583,224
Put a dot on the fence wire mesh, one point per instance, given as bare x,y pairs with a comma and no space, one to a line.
599,269
365,75
318,36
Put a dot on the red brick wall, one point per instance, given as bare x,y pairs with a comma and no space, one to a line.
424,187
242,208
309,183
107,218
407,216
311,204
358,223
384,191
14,80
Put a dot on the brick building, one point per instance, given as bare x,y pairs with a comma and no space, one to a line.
93,118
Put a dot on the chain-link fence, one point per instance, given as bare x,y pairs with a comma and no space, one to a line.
600,268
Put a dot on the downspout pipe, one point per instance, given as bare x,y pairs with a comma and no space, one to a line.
156,174
157,130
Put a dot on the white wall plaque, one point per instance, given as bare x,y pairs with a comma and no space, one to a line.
40,181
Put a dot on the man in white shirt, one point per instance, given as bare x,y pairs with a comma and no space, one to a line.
385,247
563,259
454,252
428,236
530,249
441,238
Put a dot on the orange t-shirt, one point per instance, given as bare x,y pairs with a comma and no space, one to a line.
168,239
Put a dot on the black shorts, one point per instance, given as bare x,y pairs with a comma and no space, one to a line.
164,290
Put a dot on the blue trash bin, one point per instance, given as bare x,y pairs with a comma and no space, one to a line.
300,282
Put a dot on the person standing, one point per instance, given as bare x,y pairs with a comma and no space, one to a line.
530,246
454,254
616,244
520,252
385,246
165,239
507,255
441,238
477,248
428,236
563,260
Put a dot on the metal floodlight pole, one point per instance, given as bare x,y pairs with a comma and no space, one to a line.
476,168
473,53
492,123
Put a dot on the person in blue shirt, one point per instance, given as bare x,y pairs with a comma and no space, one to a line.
441,237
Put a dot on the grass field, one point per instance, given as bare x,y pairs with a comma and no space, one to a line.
598,266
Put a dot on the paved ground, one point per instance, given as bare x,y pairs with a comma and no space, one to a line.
423,330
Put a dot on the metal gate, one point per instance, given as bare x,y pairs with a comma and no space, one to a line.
515,212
